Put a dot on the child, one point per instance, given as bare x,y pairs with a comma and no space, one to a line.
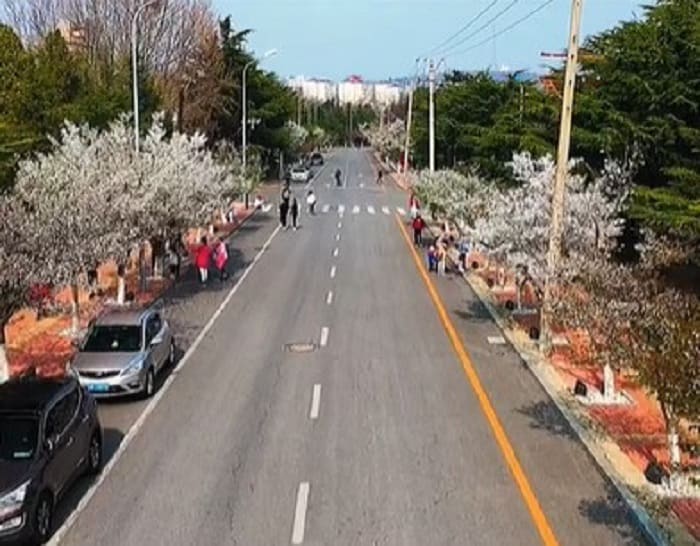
203,260
418,226
221,259
311,201
432,259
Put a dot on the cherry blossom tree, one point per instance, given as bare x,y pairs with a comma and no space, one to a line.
387,139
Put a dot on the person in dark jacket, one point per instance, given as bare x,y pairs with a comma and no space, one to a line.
295,212
418,227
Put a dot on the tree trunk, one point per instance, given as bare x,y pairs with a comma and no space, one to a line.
608,382
674,451
518,296
121,285
4,364
75,310
143,281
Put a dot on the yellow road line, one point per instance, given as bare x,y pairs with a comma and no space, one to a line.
538,517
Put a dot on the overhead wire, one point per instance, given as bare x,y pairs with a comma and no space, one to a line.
505,29
462,29
505,10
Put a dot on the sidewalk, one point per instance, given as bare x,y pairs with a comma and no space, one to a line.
622,439
42,345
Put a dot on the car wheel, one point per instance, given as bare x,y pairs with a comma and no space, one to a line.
94,455
42,519
149,386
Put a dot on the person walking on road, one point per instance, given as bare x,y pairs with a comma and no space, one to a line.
311,202
203,260
221,258
338,178
418,227
295,212
284,205
380,176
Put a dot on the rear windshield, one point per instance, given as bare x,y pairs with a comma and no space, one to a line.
113,339
18,437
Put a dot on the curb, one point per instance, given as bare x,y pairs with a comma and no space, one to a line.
645,523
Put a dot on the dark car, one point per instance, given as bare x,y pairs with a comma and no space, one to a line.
49,436
316,159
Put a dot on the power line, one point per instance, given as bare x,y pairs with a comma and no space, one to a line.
465,27
505,29
482,27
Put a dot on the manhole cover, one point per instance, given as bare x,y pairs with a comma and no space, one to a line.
303,347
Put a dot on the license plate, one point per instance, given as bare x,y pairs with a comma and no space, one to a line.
98,388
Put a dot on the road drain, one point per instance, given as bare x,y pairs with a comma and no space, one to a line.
302,347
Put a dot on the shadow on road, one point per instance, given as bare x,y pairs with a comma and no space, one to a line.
475,311
544,415
111,440
612,513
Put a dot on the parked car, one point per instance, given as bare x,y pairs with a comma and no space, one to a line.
123,352
300,173
316,159
50,435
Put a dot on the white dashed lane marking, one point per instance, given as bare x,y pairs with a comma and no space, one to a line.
300,513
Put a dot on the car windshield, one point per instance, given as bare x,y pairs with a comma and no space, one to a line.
113,339
299,170
18,437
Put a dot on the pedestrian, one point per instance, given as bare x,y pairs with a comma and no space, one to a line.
441,258
284,211
414,206
203,260
418,226
258,203
311,201
463,249
221,258
432,259
295,212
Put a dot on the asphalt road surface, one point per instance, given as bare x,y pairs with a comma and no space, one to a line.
326,405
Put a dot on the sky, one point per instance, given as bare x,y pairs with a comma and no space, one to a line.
378,39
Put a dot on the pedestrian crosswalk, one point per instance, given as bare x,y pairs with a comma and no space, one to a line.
341,209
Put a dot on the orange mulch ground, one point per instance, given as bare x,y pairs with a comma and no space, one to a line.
44,346
688,511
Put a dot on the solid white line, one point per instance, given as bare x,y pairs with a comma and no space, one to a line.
332,272
402,212
324,336
356,209
300,513
138,424
336,252
337,236
385,210
315,402
326,208
329,297
370,209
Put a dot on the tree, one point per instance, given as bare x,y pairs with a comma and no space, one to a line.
387,139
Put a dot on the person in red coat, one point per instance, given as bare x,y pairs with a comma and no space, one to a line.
418,227
203,260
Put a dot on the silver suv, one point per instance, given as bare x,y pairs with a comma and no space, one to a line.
123,352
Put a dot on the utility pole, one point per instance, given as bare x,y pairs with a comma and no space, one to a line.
522,103
559,193
431,120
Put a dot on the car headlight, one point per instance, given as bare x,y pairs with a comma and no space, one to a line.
135,366
11,502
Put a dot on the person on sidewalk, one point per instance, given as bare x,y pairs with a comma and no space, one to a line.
311,202
418,227
432,259
463,249
442,258
203,260
221,258
295,213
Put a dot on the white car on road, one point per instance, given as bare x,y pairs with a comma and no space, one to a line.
300,174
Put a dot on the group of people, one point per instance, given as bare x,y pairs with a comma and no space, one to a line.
289,207
207,254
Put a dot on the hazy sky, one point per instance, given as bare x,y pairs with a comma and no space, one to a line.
382,38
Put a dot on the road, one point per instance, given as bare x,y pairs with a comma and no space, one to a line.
376,436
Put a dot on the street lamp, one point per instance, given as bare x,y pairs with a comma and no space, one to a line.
244,100
135,64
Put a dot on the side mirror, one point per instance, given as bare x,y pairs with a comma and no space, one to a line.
156,341
50,445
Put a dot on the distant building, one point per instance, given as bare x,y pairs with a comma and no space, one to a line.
74,36
351,91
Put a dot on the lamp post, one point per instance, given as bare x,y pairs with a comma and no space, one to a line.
244,108
135,64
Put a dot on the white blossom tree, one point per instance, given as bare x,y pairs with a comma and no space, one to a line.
387,139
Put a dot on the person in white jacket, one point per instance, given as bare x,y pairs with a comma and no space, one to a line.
311,201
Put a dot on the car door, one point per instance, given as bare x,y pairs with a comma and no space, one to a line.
154,333
61,427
